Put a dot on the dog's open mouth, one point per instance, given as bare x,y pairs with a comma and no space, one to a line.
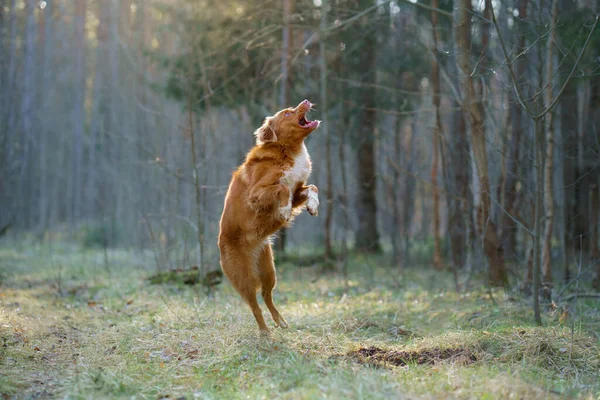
306,123
303,121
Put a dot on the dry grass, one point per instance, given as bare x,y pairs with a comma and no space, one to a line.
71,327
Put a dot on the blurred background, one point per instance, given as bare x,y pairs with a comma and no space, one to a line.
121,122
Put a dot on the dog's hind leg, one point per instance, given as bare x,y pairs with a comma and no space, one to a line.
268,279
239,269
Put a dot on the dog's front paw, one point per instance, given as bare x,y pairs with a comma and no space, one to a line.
285,212
312,204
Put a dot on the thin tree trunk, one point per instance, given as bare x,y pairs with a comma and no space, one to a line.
101,113
409,190
325,107
4,114
474,106
197,189
367,235
508,228
46,22
284,91
437,134
549,161
582,216
562,196
112,129
12,64
140,91
538,219
397,223
78,116
344,195
4,93
459,169
595,228
27,102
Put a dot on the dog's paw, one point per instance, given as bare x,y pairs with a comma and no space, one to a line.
285,212
282,323
312,204
279,321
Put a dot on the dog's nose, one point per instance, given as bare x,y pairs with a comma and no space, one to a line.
306,103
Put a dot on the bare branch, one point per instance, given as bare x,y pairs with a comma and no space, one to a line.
585,45
509,62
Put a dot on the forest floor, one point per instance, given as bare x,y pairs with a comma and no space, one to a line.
73,326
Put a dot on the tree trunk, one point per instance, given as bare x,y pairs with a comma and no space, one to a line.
581,187
12,65
28,114
437,134
508,227
474,107
344,194
198,197
595,228
549,161
459,174
5,111
409,190
367,236
397,223
284,91
324,105
46,37
112,129
78,116
539,177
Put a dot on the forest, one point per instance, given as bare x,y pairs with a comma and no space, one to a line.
456,253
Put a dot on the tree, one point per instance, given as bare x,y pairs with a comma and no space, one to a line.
437,142
538,115
473,106
78,114
367,235
325,108
549,152
284,90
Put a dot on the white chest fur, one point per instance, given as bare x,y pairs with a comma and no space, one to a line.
300,170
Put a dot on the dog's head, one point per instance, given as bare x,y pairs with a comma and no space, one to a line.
288,125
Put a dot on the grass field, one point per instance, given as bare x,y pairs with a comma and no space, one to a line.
72,326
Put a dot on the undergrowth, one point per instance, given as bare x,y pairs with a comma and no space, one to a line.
87,324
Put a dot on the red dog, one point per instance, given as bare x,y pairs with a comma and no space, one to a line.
265,194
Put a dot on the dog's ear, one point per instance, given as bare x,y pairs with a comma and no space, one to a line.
266,133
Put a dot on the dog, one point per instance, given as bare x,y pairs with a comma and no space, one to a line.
265,194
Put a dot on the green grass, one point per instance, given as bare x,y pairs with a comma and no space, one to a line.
73,326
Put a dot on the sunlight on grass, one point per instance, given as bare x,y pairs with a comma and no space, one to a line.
73,326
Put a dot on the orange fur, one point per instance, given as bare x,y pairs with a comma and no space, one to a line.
265,194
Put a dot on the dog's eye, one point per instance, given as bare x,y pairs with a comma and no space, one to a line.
287,114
